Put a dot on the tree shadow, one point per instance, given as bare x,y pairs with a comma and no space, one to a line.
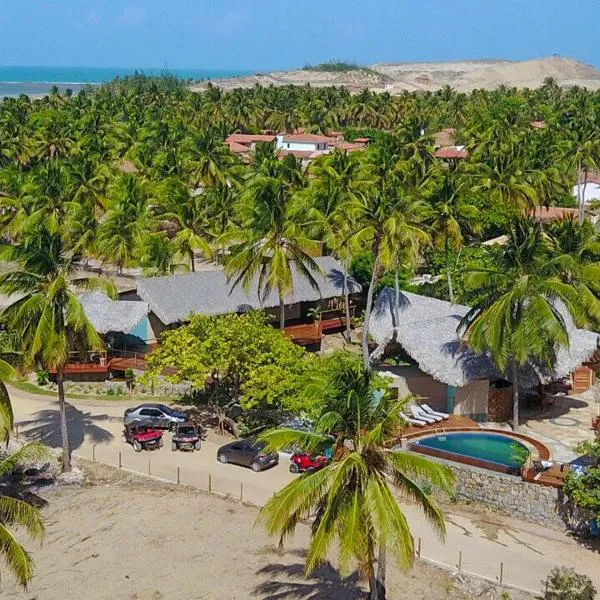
45,427
288,582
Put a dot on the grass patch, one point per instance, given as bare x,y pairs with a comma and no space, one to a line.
27,386
340,66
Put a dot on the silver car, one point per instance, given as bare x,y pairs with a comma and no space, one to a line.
159,416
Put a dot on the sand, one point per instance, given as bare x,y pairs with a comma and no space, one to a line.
130,538
462,76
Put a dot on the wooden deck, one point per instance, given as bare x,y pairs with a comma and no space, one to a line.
453,422
306,334
106,365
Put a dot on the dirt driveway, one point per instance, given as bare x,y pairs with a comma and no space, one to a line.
483,539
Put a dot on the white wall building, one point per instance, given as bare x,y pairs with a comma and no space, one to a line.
304,142
592,190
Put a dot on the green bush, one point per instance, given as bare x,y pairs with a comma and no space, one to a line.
566,584
110,392
42,377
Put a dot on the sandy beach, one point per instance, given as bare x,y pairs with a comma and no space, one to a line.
126,537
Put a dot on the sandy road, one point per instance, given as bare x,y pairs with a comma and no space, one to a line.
527,550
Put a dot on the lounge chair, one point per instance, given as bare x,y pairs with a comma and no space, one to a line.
417,422
422,415
434,413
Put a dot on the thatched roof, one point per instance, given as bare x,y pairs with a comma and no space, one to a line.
109,315
175,297
427,330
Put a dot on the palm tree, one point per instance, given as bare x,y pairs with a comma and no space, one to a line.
335,184
269,241
183,214
16,512
575,254
389,215
516,317
47,316
121,232
450,215
354,499
12,510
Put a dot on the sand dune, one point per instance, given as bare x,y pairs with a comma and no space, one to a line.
462,76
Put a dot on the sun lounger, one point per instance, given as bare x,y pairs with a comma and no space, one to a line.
420,414
434,413
417,422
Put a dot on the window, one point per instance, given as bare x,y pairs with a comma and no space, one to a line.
146,412
237,447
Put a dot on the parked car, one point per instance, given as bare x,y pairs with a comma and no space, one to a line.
248,453
186,436
142,436
301,461
155,415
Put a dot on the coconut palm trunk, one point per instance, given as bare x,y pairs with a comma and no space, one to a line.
64,430
448,274
514,370
369,308
381,571
192,263
581,215
281,313
396,300
347,301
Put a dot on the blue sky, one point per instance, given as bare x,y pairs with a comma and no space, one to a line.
269,34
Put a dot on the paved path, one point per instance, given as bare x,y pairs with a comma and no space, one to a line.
527,551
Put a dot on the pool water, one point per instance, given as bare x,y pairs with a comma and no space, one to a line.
489,447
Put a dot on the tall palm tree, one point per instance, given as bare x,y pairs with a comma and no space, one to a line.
122,230
450,215
16,512
516,317
574,252
354,499
270,242
184,215
389,214
335,184
47,315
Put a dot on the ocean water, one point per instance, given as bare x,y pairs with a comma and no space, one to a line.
36,81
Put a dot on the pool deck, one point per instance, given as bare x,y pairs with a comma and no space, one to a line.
451,423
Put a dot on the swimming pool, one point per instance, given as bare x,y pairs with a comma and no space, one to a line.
481,449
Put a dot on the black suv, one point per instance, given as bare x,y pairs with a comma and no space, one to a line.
248,453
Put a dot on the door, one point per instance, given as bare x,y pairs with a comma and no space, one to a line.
235,453
152,416
249,452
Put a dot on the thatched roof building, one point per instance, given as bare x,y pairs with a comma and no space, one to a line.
175,297
107,315
427,331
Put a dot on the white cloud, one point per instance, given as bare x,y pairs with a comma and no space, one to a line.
132,16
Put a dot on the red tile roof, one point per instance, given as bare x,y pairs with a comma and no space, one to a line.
551,213
249,138
238,148
362,140
297,153
451,152
592,178
449,130
538,124
350,147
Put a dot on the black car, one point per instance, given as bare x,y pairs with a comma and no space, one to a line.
155,415
248,453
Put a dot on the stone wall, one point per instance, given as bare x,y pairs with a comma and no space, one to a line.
508,494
